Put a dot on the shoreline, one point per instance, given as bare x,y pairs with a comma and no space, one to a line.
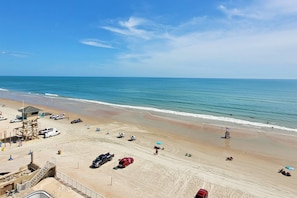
210,119
256,152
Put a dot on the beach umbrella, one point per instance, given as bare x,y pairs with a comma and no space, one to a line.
159,142
289,167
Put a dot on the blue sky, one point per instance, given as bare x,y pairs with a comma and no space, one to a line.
149,38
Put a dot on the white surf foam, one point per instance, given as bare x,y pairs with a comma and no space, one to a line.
201,116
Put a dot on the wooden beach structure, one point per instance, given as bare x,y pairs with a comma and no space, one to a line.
29,111
28,130
26,177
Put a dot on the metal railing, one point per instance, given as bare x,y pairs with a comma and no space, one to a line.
77,186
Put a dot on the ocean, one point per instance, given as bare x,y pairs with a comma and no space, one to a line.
260,103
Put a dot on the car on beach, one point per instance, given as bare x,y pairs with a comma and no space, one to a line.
76,121
43,131
102,159
57,116
50,133
202,193
3,118
53,116
60,117
16,120
126,161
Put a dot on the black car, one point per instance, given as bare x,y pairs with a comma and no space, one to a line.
76,121
102,159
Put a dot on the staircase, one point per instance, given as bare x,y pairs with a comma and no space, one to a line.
34,180
41,173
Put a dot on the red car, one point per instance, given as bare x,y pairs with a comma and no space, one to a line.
202,193
125,162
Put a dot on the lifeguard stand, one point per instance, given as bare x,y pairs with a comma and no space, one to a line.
29,130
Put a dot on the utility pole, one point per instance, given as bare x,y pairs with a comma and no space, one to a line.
23,111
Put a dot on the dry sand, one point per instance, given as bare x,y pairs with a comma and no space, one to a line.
258,154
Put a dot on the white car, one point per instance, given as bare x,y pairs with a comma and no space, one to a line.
3,118
59,117
51,133
43,131
16,120
53,116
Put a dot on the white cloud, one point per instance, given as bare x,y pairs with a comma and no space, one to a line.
133,56
236,12
95,43
134,27
254,40
283,7
132,23
14,53
262,10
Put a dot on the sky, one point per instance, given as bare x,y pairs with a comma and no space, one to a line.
149,38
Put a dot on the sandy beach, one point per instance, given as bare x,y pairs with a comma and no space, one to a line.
258,153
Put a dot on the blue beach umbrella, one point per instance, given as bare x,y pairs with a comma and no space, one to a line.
290,167
159,142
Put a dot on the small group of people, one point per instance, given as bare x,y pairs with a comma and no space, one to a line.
157,149
282,171
121,135
229,158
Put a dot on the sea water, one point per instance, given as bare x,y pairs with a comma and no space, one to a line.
263,103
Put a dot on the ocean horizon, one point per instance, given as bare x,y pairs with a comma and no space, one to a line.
263,103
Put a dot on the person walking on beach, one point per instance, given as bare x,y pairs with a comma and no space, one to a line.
227,133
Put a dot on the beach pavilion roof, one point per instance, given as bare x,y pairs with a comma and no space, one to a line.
29,110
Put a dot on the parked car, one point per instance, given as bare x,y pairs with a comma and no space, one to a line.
202,193
126,161
3,118
102,159
59,117
76,121
43,131
16,120
51,133
53,116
